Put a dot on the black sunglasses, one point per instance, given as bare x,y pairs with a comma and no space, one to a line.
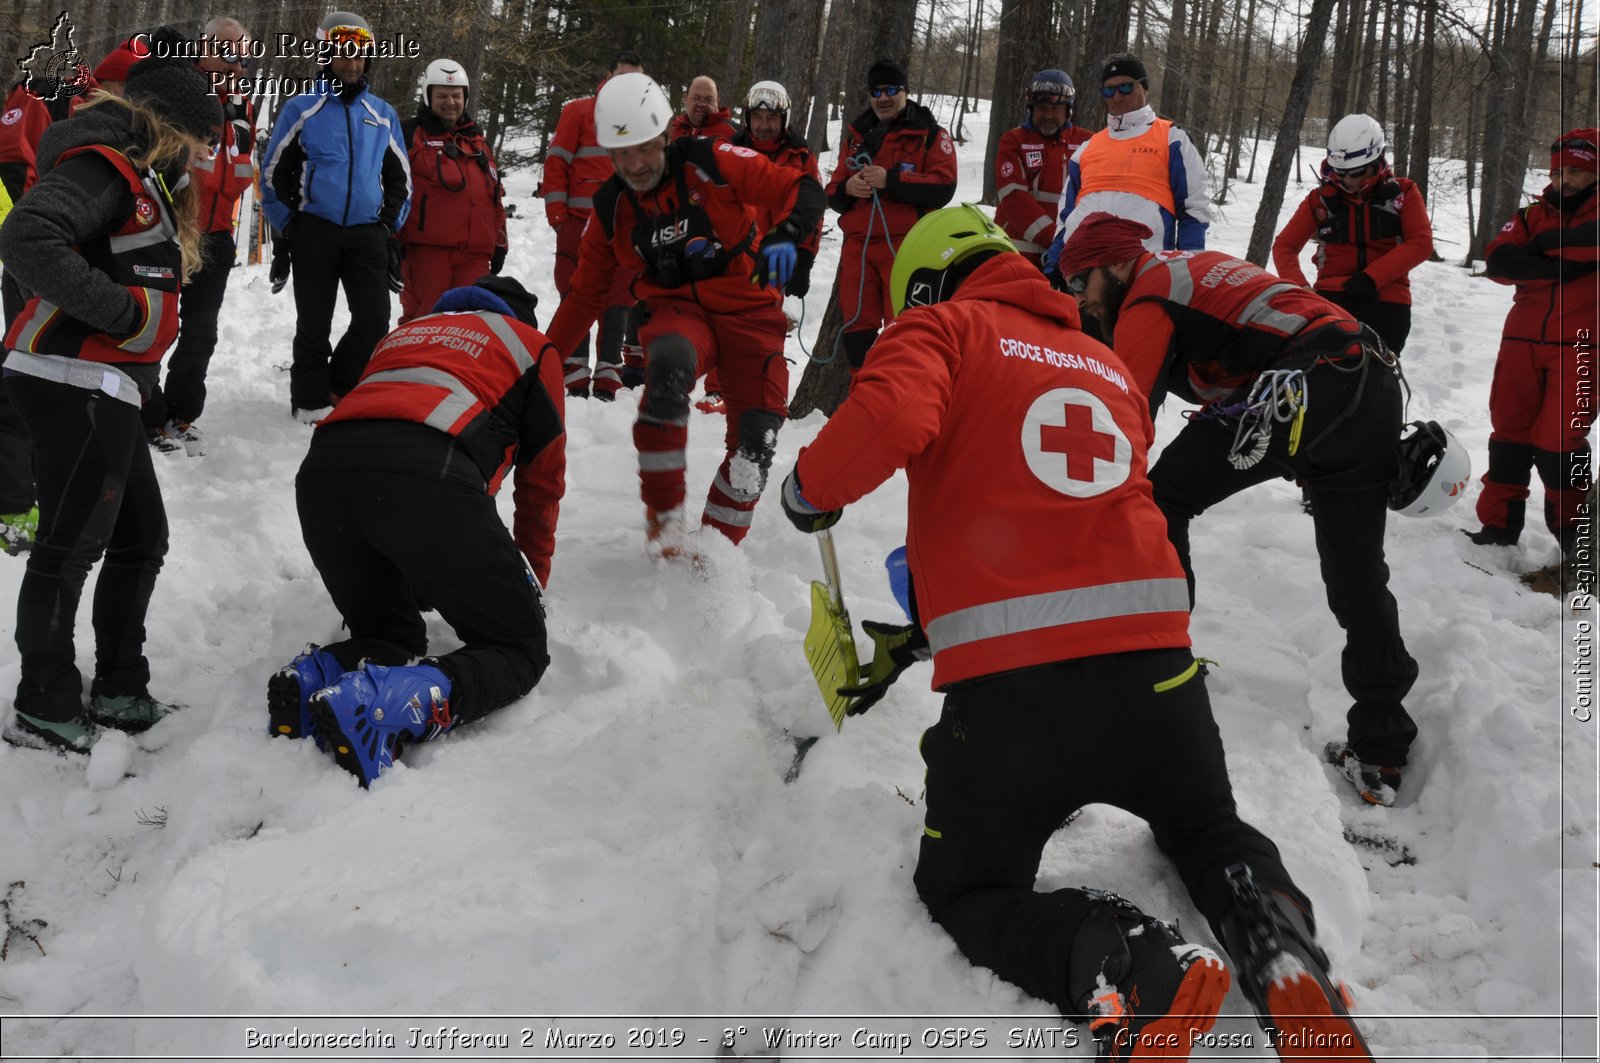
229,54
1126,88
1048,99
887,90
1364,170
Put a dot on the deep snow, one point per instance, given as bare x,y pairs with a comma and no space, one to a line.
622,841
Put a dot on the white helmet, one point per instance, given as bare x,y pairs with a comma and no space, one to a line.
1355,141
630,109
767,96
1434,470
444,74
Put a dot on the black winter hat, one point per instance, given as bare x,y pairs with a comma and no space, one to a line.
522,302
1126,66
176,91
885,72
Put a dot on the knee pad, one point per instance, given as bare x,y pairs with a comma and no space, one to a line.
670,363
758,436
1510,463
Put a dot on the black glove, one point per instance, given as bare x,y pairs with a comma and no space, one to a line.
802,514
498,261
1362,291
894,649
800,283
397,281
278,274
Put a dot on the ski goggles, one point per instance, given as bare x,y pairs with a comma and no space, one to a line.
890,91
1077,284
229,52
1050,99
1366,169
359,36
1126,88
1572,143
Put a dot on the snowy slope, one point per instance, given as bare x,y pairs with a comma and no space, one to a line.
622,840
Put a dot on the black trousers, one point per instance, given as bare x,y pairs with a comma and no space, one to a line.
327,257
98,495
199,304
384,540
1014,754
1346,461
16,467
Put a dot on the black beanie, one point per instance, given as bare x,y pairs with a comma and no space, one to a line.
522,302
1127,66
176,91
885,72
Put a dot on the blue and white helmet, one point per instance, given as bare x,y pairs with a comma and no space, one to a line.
1355,142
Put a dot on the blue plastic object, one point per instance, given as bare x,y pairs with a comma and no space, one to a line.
900,578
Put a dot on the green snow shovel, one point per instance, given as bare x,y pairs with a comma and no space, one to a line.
830,647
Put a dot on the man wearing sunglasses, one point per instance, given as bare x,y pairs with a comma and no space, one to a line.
336,185
1371,229
1139,167
896,164
171,410
1030,167
456,232
1541,404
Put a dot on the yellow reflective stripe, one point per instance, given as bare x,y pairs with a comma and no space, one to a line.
140,342
1178,680
930,832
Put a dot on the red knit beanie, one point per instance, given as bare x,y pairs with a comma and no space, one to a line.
114,67
1576,149
1103,240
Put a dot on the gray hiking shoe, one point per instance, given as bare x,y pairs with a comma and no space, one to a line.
128,712
75,735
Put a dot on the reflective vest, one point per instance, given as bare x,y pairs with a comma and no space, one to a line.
472,376
142,255
1137,164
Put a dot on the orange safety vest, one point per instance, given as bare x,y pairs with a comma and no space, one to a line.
1138,164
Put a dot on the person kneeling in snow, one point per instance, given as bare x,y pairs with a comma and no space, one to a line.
396,507
1066,667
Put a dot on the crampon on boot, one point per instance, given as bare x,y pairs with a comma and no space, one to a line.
1285,975
1144,989
1378,784
290,688
371,714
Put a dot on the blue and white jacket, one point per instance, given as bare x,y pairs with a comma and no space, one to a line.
338,155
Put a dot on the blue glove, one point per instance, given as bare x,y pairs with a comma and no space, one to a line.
802,514
777,263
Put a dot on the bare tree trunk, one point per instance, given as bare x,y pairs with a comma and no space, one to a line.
1366,62
826,379
1174,95
1294,113
1391,32
1422,121
828,80
1261,109
733,68
1236,125
1472,166
1507,134
1200,121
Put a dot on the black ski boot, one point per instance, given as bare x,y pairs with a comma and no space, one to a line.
1284,975
1142,987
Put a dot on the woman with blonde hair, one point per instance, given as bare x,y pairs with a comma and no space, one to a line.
102,242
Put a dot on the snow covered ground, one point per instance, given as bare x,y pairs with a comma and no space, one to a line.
622,841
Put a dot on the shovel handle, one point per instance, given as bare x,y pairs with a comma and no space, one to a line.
830,567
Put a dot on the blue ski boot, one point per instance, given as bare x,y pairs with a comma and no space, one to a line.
369,715
290,688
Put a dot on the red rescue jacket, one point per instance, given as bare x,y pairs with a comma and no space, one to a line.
719,126
691,237
23,119
789,150
1030,170
1382,230
575,165
1549,250
921,160
142,255
1204,324
1032,534
220,180
492,383
457,199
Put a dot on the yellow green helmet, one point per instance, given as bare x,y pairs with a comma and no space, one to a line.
942,239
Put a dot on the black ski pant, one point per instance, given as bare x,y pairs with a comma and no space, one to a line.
16,467
1346,461
385,540
183,398
98,495
327,257
1391,321
1014,754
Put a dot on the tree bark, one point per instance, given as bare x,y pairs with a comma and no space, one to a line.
1024,46
1294,113
824,383
828,80
1422,121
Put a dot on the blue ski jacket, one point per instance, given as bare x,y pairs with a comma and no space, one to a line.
336,152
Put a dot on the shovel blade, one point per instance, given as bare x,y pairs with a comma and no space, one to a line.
831,651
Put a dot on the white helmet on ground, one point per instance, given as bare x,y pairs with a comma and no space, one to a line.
444,74
1355,141
630,109
1434,470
